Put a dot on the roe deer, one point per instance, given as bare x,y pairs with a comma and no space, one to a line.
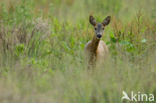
96,49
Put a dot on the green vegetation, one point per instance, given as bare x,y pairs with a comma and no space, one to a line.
42,50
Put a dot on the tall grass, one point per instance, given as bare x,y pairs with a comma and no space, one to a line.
42,51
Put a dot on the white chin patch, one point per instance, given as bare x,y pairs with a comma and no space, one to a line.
98,37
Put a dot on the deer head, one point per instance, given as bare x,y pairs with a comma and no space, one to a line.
99,27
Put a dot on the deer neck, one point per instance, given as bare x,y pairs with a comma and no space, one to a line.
95,43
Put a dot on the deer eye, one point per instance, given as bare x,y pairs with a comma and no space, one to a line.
102,28
95,28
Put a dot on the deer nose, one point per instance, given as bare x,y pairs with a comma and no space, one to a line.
99,35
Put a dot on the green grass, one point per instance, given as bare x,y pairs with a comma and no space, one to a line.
42,51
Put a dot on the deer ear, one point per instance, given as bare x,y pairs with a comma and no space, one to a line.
92,20
106,20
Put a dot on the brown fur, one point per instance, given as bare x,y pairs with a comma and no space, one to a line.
96,50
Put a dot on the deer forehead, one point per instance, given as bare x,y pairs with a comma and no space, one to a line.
99,25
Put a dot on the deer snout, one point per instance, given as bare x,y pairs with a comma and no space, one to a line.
99,35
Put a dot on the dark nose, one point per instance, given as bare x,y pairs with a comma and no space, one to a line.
99,35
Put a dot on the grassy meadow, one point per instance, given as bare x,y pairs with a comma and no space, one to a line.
42,50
